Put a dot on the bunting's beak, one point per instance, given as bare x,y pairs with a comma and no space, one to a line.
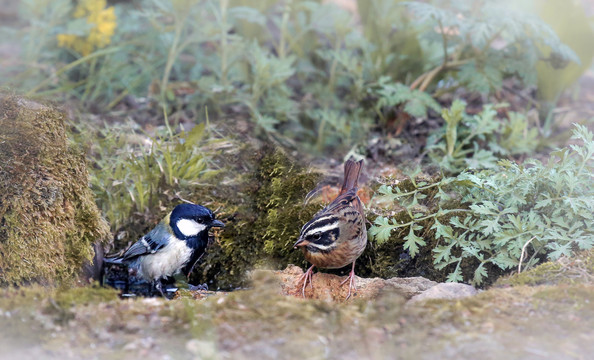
300,243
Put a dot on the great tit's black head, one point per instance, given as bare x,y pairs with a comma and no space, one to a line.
190,220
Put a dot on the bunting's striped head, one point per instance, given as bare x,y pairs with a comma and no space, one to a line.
320,234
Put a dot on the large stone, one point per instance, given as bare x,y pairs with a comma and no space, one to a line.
445,291
328,286
48,217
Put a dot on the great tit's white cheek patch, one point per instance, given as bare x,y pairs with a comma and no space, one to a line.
189,227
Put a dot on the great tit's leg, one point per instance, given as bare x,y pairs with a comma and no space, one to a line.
198,287
127,286
159,286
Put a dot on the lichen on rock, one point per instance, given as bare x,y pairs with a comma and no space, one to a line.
48,217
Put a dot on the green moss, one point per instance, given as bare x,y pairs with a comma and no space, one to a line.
578,269
263,216
281,200
570,296
48,216
61,303
66,298
53,298
191,316
542,274
22,298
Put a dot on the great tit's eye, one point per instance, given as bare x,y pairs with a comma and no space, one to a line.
199,220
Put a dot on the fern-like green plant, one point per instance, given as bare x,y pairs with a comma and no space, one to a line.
483,42
478,141
293,69
390,94
506,217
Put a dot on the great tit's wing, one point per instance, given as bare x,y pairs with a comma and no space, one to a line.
148,244
144,246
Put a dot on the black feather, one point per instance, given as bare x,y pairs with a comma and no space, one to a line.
146,245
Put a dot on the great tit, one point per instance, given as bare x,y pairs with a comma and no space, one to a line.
173,246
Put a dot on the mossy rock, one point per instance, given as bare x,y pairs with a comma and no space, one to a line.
48,217
263,215
578,269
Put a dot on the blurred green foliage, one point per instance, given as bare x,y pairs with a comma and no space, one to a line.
305,73
479,141
136,173
574,28
483,42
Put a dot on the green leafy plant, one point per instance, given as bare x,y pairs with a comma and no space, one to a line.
391,94
478,141
511,216
302,73
483,42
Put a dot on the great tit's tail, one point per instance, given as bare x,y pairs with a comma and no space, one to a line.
114,260
95,269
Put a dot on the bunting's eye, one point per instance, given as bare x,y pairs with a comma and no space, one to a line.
317,236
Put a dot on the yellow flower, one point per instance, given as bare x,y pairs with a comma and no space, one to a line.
104,23
65,40
88,7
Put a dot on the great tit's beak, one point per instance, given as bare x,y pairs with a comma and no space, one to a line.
300,242
217,223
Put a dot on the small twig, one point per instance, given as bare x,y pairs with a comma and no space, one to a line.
524,97
524,253
426,78
117,99
70,66
310,195
432,74
418,80
193,265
